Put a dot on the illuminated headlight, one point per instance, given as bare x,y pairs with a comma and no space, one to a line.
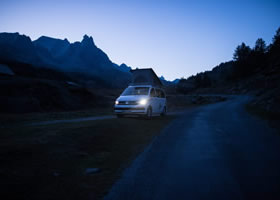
116,102
143,102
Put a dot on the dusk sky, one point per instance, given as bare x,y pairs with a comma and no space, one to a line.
176,38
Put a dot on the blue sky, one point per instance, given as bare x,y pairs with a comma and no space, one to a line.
176,38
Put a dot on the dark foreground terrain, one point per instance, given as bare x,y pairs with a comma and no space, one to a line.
77,160
214,151
218,151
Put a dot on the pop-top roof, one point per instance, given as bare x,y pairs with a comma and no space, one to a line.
145,76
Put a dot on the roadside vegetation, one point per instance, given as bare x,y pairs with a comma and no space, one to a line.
270,116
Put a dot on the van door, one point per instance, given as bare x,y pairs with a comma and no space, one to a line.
163,99
153,100
160,101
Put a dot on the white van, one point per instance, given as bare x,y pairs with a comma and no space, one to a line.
142,100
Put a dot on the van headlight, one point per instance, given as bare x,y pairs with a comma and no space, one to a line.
143,101
116,102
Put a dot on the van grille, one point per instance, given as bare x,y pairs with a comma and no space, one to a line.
125,108
128,103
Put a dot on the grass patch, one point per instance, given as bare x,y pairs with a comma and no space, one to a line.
49,162
262,113
21,119
272,118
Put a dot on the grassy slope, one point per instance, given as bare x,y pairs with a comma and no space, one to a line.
12,119
49,162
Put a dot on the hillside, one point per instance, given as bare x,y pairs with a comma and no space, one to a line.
25,88
254,71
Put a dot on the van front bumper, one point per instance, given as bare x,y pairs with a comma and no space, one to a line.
130,110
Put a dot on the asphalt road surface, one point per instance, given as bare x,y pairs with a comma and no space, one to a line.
218,151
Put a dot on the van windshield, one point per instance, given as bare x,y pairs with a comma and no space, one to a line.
135,91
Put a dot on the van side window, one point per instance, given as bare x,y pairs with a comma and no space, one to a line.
158,93
162,95
153,93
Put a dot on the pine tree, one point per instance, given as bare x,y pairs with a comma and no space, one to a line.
260,46
242,52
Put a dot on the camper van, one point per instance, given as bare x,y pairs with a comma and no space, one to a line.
143,97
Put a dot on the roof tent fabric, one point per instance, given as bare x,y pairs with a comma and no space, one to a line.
145,77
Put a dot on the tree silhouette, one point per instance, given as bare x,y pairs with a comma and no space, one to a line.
258,57
242,52
243,61
276,38
206,81
275,46
260,46
274,50
198,80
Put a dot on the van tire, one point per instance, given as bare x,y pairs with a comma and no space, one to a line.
149,113
119,116
163,112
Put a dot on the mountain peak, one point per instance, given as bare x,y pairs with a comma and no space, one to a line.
162,78
123,67
87,40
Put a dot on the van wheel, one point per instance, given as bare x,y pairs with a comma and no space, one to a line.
163,112
149,113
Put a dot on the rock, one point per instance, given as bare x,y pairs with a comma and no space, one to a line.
82,154
56,174
4,69
89,171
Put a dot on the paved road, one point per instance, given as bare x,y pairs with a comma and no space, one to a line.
215,152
